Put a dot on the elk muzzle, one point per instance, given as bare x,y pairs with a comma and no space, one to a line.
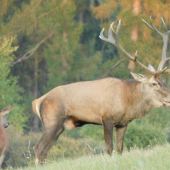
166,101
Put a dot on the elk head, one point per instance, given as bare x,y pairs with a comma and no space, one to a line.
152,83
3,116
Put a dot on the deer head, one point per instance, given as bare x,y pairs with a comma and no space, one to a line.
3,115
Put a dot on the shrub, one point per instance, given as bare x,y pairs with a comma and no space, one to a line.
143,134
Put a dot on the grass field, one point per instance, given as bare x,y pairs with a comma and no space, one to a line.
157,158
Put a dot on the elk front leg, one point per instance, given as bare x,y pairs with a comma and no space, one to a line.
120,132
108,135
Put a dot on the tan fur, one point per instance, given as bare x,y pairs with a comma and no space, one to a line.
109,102
34,106
69,124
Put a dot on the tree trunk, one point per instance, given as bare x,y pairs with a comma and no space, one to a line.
135,33
35,121
35,77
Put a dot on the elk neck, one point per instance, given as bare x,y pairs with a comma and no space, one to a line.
137,102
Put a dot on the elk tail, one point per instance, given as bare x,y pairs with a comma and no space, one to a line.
36,107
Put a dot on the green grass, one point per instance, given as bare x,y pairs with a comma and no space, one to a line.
157,158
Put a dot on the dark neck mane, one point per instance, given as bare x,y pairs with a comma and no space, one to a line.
136,101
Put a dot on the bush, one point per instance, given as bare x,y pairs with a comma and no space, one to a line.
21,153
71,148
143,134
140,133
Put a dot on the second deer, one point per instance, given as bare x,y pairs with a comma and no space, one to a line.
4,142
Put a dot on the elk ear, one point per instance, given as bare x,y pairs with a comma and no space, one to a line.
137,77
6,109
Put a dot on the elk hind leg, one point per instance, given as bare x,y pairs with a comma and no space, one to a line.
46,142
52,119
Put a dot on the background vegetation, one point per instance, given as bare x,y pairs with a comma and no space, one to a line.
46,43
137,159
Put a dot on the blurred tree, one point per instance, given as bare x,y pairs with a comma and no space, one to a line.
48,33
58,44
142,38
9,88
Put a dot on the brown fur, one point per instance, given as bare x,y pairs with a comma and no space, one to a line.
109,102
4,142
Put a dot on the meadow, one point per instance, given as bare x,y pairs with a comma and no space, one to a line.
156,158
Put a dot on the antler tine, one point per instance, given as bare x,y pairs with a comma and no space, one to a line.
165,37
110,38
113,38
164,24
118,27
148,25
153,26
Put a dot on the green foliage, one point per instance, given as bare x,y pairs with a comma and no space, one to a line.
143,135
21,153
71,148
138,134
33,122
94,132
9,89
159,117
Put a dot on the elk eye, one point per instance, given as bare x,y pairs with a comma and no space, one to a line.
154,84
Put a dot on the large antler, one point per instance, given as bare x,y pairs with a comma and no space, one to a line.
113,38
165,37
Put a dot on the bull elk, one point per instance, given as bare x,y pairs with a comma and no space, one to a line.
3,135
110,102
